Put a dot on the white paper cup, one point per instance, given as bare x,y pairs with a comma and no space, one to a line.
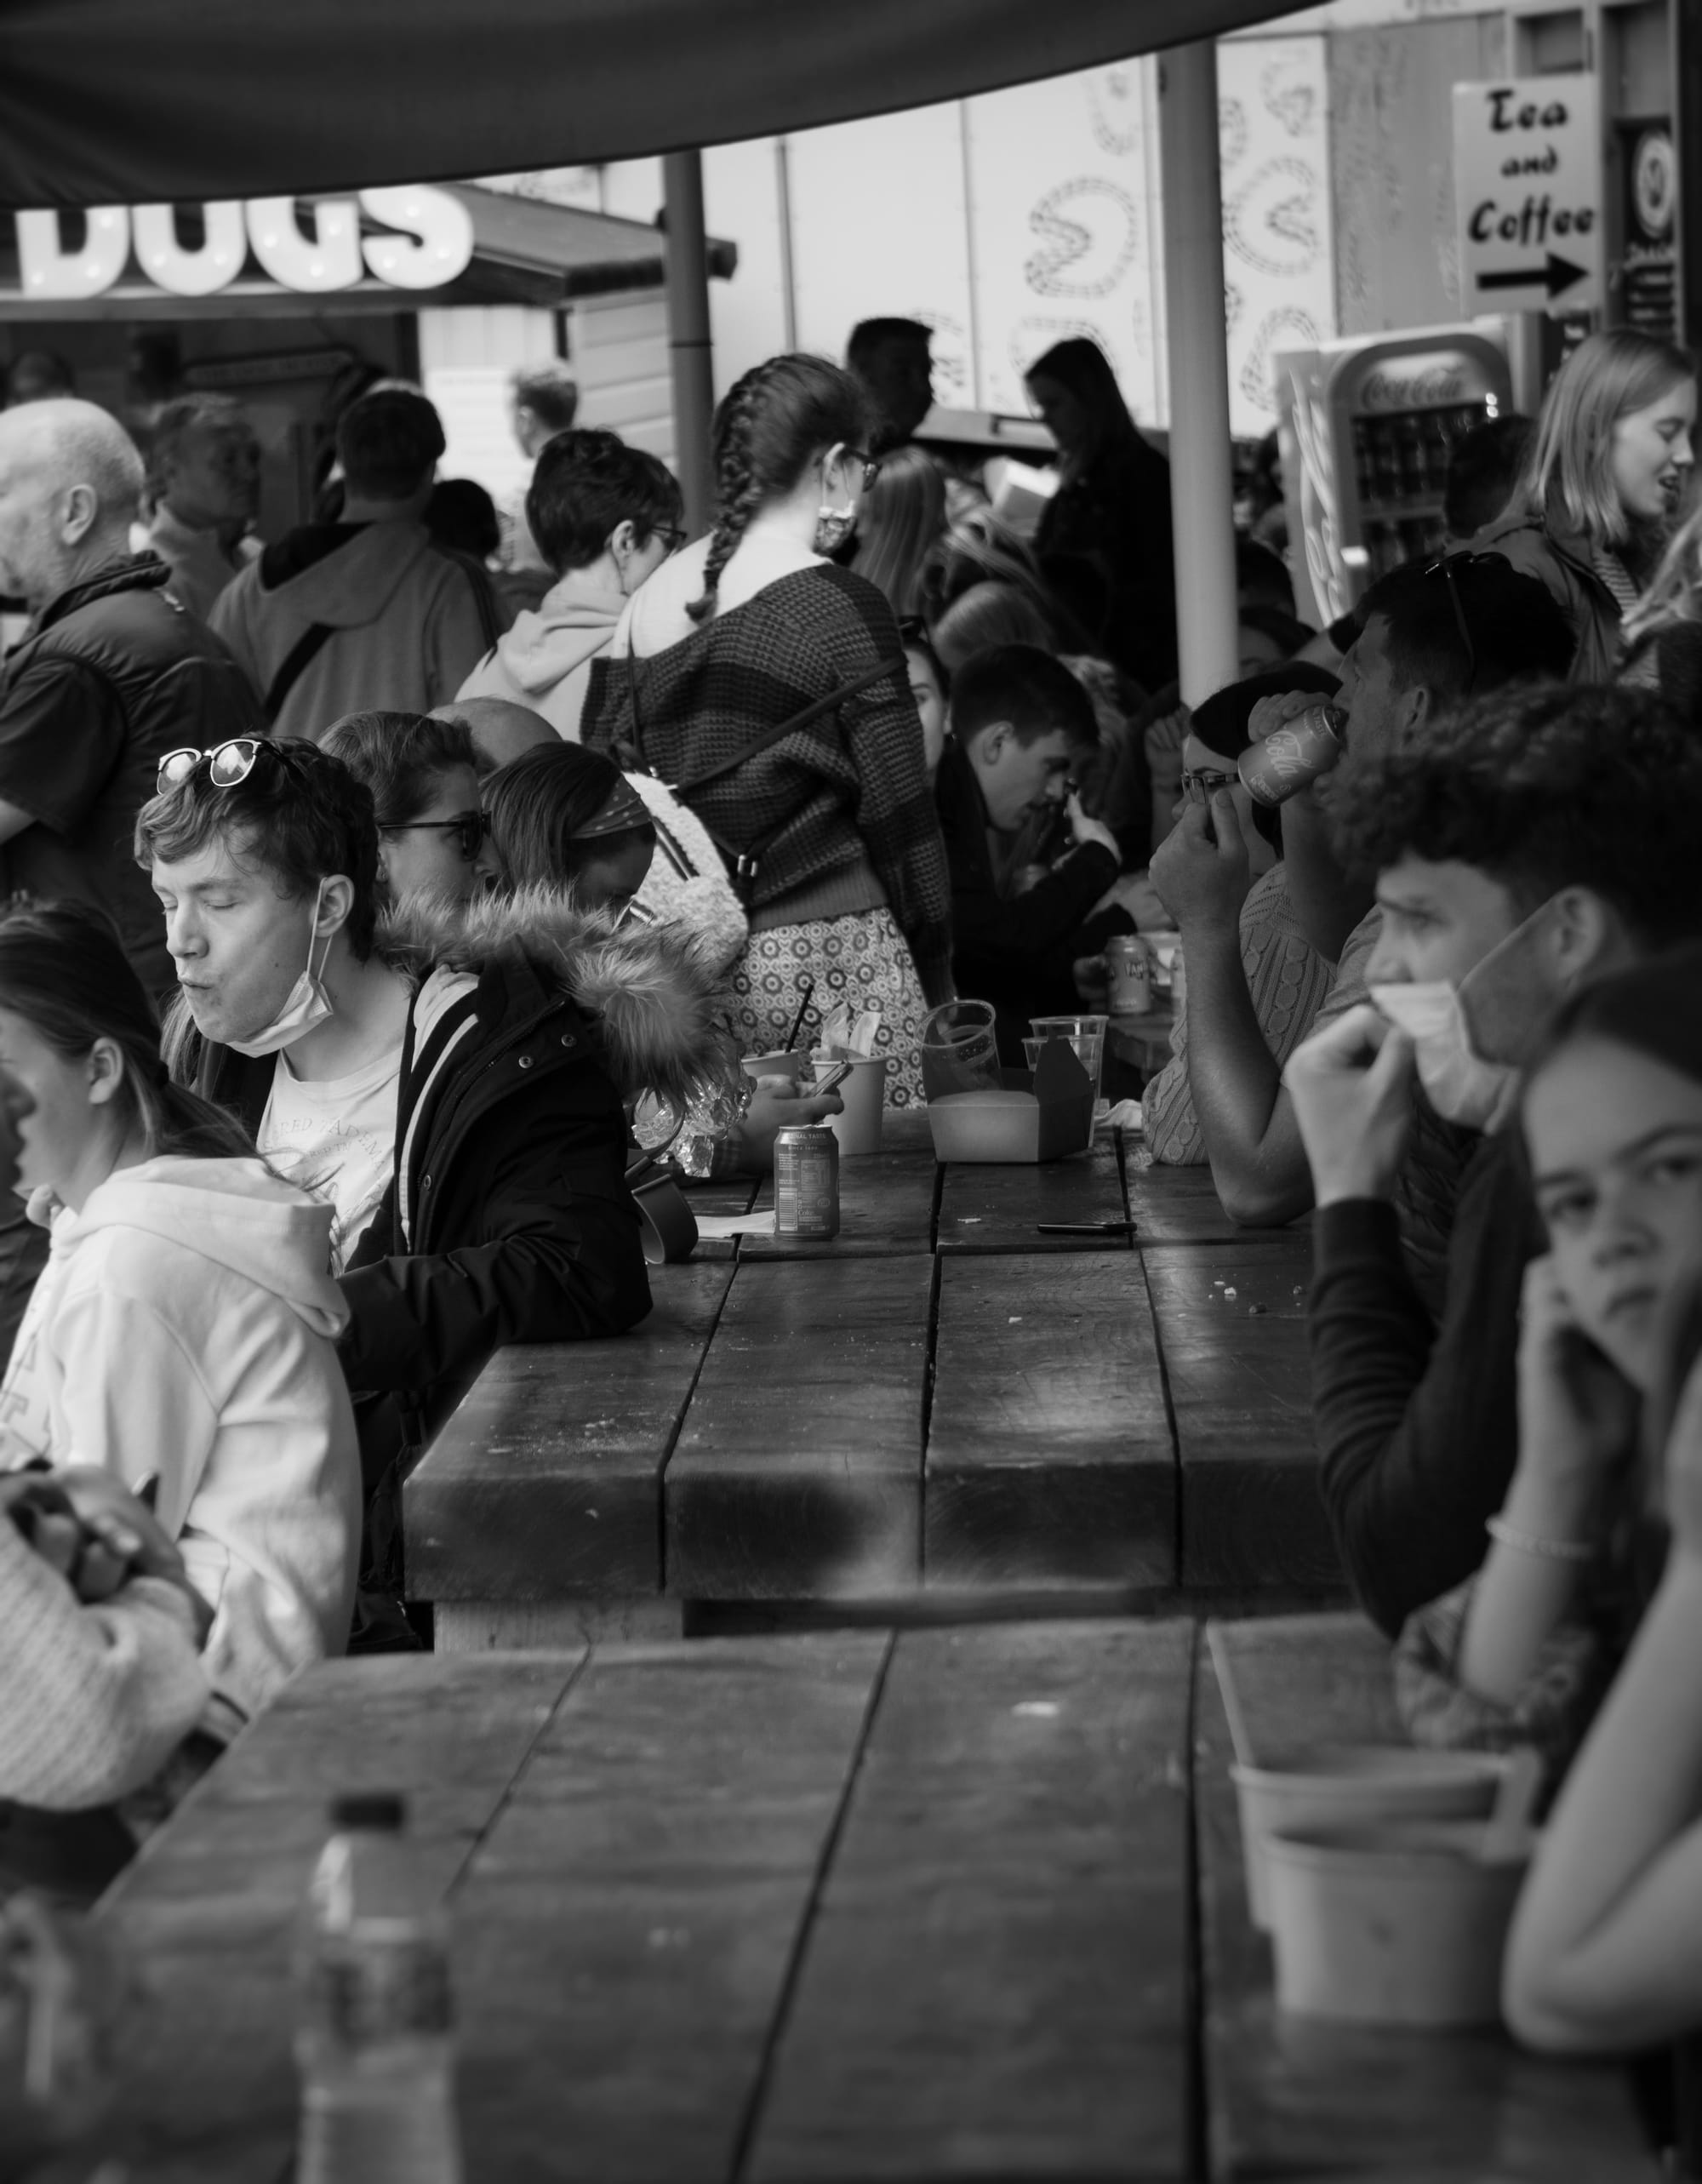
858,1126
1392,1925
791,1066
1350,1785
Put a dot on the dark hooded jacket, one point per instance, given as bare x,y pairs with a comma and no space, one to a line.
1564,565
508,1218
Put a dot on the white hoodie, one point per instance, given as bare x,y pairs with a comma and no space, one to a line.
185,1324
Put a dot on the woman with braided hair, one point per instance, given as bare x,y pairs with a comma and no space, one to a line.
769,687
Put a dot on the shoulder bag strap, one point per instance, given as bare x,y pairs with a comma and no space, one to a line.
769,736
306,650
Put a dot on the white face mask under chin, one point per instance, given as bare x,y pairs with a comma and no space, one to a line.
1462,1088
305,1006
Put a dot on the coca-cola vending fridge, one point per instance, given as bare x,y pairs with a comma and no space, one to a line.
1366,428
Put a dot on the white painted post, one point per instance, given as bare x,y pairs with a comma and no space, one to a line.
1202,468
689,347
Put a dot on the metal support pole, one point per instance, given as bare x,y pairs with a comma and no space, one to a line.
690,352
1202,469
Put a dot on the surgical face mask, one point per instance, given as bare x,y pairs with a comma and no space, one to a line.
1480,1094
305,1006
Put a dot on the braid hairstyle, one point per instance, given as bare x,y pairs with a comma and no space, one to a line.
771,426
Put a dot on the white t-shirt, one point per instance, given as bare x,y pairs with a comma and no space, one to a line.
335,1137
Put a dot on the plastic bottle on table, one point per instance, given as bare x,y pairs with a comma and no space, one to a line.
374,2036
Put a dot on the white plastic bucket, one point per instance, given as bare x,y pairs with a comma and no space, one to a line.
1391,1925
1349,1784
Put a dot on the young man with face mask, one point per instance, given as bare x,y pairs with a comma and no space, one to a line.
1430,636
1524,845
450,1090
1020,724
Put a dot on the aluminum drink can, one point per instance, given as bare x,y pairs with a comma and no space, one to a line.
1294,756
1128,970
807,1182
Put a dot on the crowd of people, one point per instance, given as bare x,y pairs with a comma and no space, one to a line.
364,877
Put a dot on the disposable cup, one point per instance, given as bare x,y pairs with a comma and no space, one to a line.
1086,1036
858,1126
1352,1785
1393,1924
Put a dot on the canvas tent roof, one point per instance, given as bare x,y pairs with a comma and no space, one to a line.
144,101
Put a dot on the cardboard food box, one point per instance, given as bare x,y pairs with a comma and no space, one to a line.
1018,1125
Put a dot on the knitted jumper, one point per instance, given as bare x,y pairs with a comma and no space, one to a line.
94,1700
844,804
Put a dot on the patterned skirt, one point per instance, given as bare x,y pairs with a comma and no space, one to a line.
863,960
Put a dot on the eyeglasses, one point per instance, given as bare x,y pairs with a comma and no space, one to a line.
227,763
469,828
871,468
1447,567
672,535
1204,784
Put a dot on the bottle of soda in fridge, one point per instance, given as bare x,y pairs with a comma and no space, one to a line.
374,2039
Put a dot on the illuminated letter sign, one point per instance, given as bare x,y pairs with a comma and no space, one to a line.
51,274
437,242
214,265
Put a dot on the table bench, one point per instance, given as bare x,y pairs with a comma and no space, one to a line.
813,1908
1303,2097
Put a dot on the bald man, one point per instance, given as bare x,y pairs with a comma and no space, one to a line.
500,728
117,672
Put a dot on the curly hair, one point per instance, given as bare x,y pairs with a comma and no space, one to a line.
770,427
1542,788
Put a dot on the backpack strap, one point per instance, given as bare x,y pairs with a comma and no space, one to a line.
769,736
306,650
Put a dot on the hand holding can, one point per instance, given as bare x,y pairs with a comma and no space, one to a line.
1293,757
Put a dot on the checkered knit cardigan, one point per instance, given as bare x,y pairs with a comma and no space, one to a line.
847,792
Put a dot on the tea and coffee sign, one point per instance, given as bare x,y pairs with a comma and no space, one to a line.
408,237
1527,189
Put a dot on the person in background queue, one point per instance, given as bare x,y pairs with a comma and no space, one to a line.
423,775
500,730
605,517
184,1330
771,686
1484,467
204,481
1602,484
1111,509
368,611
890,359
480,1193
543,400
1431,635
1523,844
899,528
38,375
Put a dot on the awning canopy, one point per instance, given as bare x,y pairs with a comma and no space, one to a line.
124,102
525,251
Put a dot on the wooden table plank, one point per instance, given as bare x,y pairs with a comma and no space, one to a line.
208,1916
988,1207
545,1485
886,1199
627,1927
797,1474
1050,1461
1180,1205
1292,2096
1232,1326
994,1985
734,1195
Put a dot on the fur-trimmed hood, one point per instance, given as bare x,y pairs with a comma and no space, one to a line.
647,985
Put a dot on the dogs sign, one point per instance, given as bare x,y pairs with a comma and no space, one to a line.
1527,191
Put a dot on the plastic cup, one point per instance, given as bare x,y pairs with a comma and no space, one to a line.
1086,1036
864,1091
1334,1786
1391,1925
960,1051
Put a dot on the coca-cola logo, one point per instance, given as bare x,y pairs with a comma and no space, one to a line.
1438,384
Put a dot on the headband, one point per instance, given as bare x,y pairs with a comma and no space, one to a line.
625,810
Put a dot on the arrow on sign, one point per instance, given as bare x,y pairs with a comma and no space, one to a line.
1555,276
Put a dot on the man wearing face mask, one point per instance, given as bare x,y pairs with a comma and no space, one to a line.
1527,844
450,1091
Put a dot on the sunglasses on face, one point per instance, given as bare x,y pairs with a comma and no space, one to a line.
226,763
469,828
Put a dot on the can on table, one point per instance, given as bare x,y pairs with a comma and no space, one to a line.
1128,971
807,1182
1294,756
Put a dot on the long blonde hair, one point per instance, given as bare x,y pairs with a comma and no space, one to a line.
1674,593
1567,481
900,521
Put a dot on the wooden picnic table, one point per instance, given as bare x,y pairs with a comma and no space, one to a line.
1293,2096
838,1907
942,1405
812,1908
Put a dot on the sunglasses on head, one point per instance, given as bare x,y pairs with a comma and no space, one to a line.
1447,567
226,763
469,828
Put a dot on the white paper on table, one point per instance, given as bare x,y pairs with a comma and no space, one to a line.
1125,1115
716,1228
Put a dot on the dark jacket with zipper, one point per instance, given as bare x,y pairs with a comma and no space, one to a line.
1563,566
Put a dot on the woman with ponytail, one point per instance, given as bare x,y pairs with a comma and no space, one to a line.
769,687
182,1339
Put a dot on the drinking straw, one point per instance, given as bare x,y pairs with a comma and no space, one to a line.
798,1021
1238,1736
1504,1838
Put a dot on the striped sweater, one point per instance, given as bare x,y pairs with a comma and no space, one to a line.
842,807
